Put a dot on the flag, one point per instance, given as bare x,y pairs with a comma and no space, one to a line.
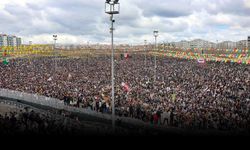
126,55
201,61
5,61
125,87
248,62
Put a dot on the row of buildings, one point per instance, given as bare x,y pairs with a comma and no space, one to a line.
199,43
9,40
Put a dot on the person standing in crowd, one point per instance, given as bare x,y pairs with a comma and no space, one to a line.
192,95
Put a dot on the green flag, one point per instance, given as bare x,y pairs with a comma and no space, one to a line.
5,61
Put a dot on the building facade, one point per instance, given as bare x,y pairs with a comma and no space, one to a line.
227,45
199,43
241,44
8,40
19,41
3,40
248,42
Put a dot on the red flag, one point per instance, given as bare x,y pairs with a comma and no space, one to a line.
125,87
126,55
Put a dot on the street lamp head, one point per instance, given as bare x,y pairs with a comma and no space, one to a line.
113,1
55,37
112,7
156,33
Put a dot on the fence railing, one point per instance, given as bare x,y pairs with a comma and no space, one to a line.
58,104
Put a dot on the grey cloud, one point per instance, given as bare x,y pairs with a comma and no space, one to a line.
136,19
236,7
166,12
168,9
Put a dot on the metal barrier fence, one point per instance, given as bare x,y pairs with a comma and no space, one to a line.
58,104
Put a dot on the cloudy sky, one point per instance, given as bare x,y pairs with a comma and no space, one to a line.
82,21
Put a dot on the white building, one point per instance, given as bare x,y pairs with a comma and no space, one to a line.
8,40
241,44
14,41
182,44
197,43
211,45
227,45
18,41
3,40
248,42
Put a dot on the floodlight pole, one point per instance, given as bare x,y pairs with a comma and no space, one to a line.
145,44
55,38
155,58
217,44
111,11
155,35
112,73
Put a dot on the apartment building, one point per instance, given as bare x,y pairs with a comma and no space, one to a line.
242,44
8,40
248,42
3,40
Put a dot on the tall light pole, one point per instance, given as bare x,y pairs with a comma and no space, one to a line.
88,51
248,42
28,52
112,7
156,33
55,38
30,43
217,45
145,44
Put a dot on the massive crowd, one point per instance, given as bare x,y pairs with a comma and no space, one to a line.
29,121
184,94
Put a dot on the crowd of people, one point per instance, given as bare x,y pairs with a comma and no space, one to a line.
28,121
182,93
